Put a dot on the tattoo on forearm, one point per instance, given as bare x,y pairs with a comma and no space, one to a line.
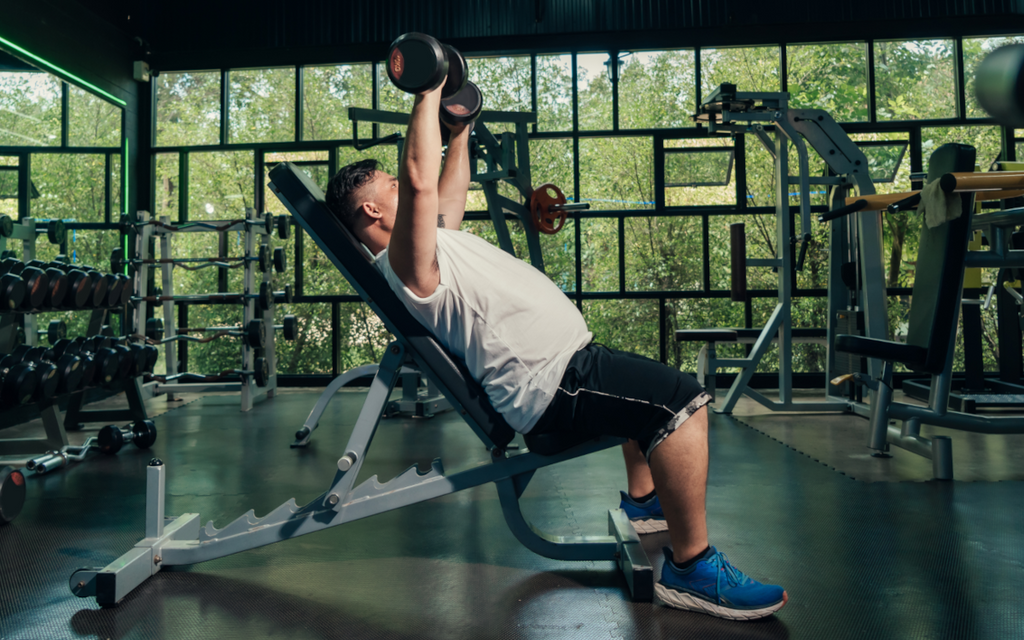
440,221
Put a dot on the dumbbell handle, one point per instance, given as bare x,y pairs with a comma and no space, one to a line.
574,206
52,460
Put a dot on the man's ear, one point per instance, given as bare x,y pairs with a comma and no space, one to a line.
371,210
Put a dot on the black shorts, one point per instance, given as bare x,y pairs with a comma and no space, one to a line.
609,392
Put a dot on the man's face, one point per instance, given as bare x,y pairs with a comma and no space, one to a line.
381,193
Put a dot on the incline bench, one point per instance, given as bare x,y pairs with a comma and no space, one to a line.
181,540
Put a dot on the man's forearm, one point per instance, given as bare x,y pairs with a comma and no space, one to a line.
453,187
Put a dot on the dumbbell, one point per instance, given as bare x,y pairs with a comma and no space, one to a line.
56,230
56,330
45,374
18,381
36,283
58,284
70,370
12,292
418,63
79,293
142,434
462,108
279,260
286,296
6,227
101,362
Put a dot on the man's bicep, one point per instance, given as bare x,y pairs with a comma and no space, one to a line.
412,249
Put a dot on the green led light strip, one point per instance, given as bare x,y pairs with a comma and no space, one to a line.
124,171
62,72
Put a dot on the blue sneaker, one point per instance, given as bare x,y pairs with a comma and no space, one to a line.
646,517
715,587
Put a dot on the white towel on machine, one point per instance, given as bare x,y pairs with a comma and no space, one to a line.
938,206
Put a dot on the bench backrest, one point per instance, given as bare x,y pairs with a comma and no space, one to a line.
304,199
938,275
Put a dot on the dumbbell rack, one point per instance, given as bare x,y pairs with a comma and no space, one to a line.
54,427
250,392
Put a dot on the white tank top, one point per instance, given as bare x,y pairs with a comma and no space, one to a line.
514,329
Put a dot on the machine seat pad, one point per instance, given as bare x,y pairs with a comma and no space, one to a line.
548,444
907,354
707,335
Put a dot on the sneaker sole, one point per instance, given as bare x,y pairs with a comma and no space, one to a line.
650,525
687,602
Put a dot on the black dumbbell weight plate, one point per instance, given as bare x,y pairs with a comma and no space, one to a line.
110,439
155,329
262,372
256,334
37,287
266,299
58,288
107,364
125,361
57,330
113,290
280,260
268,222
139,358
417,63
80,294
56,231
12,494
144,434
19,384
48,381
12,292
458,72
6,226
291,327
127,289
117,261
152,354
463,107
283,227
99,288
264,258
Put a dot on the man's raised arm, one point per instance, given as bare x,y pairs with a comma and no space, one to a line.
454,184
412,251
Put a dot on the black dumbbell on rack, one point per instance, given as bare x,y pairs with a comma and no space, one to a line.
45,374
79,285
12,292
101,363
70,369
18,382
36,282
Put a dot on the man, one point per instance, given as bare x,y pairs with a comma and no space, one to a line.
530,349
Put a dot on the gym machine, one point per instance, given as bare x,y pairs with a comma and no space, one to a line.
257,372
767,117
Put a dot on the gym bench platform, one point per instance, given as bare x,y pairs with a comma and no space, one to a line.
182,541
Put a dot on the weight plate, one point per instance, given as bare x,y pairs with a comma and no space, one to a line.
152,354
56,231
113,290
266,299
58,288
264,261
71,370
284,226
12,292
12,494
291,327
464,106
19,383
126,290
57,330
268,221
110,439
6,226
288,294
458,72
417,63
280,260
256,334
144,434
48,381
155,328
37,287
117,261
262,372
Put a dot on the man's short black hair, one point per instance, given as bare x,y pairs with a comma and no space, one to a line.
342,187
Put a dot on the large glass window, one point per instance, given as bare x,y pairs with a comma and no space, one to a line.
220,185
327,94
30,109
749,68
833,77
617,173
262,107
504,82
915,80
188,108
93,122
656,89
594,87
554,93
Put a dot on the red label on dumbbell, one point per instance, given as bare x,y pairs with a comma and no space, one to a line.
17,478
397,63
456,109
